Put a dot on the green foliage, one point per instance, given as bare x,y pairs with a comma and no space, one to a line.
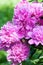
6,10
3,60
6,14
36,57
28,62
6,63
31,0
35,0
40,0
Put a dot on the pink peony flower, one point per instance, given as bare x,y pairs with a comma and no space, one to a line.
24,16
9,34
37,36
18,52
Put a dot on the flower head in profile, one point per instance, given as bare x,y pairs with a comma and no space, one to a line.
37,36
8,35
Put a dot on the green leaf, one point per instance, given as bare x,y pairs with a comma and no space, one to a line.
3,56
32,50
37,54
28,62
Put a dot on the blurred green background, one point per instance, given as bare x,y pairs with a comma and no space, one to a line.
6,10
6,14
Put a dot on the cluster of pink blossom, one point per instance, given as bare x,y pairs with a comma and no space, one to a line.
18,52
27,24
10,41
10,33
29,16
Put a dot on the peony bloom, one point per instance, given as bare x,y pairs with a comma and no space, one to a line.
24,16
21,13
9,34
37,36
18,52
